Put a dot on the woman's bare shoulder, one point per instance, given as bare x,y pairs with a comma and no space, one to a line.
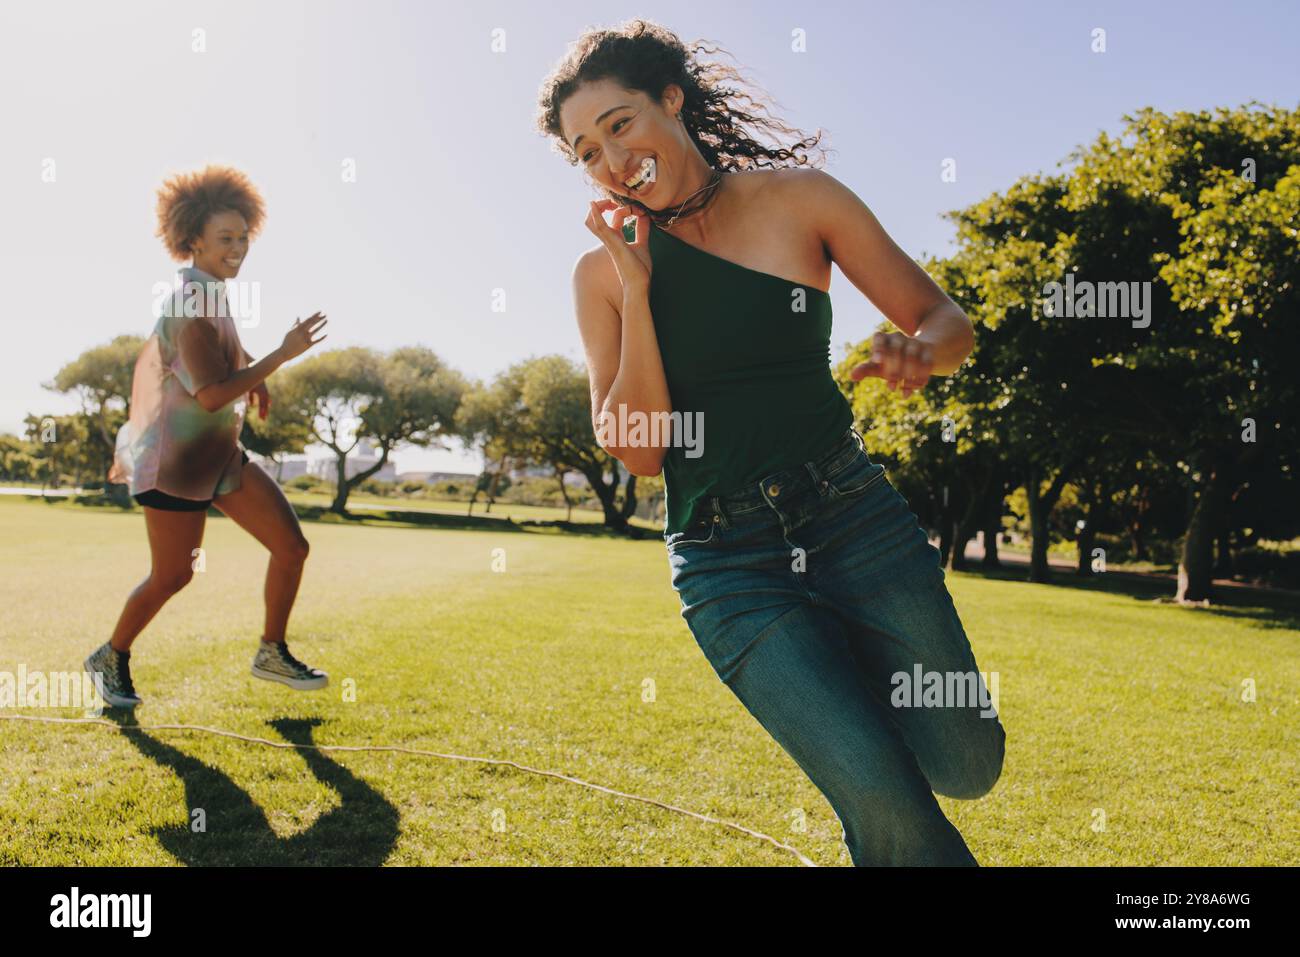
594,267
793,188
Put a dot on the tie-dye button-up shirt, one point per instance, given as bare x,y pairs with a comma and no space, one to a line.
170,442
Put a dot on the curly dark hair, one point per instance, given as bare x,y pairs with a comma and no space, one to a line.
641,55
187,200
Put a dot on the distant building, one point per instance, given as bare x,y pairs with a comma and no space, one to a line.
289,468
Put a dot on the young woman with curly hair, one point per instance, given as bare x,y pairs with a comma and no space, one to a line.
179,450
802,573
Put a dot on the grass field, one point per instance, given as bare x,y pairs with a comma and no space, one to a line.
1113,705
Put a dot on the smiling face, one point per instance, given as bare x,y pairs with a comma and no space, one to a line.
623,136
220,251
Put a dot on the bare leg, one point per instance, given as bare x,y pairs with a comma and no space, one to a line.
173,536
260,508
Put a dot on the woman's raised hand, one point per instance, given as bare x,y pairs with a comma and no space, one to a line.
299,339
632,260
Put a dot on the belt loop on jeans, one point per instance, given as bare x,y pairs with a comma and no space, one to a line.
720,514
815,472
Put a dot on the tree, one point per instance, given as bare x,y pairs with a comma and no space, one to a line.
538,412
1216,196
18,459
555,394
1164,211
488,419
284,431
62,447
101,379
408,396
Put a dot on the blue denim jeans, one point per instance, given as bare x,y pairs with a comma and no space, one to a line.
810,593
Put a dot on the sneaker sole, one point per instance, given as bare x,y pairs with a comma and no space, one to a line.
299,684
111,699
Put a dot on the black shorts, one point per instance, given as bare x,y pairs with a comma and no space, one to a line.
170,503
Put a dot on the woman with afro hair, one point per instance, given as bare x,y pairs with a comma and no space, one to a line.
179,449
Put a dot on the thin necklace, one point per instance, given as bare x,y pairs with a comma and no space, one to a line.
714,180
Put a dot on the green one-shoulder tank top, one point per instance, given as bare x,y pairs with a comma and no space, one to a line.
746,356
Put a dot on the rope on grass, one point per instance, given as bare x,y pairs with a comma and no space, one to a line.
430,754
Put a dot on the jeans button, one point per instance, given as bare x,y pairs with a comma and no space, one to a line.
774,490
717,518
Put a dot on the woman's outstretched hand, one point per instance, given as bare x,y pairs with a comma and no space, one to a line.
632,260
299,339
898,359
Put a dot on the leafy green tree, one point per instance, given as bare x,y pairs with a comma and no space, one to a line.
538,412
1198,210
63,448
488,420
408,396
18,461
555,396
101,379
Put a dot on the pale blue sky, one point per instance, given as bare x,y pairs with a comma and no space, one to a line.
456,195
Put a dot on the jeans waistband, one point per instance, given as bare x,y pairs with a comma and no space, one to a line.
783,483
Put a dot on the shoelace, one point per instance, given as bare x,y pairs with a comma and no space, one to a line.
290,660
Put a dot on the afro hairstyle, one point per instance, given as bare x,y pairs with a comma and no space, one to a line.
187,200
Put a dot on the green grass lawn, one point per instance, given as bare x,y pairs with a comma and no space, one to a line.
1113,705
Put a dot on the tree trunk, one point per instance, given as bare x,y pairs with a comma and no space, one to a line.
1137,538
1196,564
1040,570
346,485
989,535
1087,538
491,490
606,492
981,501
340,504
629,498
947,528
1040,514
1097,497
568,516
1223,564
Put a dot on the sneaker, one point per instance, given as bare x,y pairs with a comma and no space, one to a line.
275,663
114,669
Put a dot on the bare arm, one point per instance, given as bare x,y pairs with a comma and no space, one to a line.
623,362
214,385
208,377
886,275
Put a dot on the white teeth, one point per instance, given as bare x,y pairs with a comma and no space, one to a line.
646,174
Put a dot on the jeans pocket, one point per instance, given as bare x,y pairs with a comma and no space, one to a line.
693,535
855,477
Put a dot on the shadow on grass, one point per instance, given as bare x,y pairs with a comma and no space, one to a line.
361,831
1267,609
399,518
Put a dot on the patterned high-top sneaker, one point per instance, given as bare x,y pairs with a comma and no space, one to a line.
114,669
275,663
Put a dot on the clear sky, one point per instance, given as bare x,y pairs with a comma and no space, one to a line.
456,195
